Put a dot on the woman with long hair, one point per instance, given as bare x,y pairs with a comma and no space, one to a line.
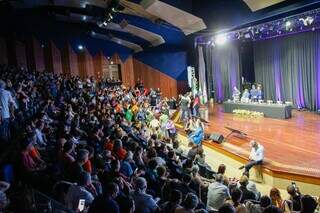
277,201
276,197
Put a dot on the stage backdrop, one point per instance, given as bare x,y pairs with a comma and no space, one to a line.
289,69
222,69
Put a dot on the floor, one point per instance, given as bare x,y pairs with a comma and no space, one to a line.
291,145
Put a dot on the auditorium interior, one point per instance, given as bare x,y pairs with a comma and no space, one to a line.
159,106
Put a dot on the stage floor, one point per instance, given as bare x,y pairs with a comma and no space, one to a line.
291,146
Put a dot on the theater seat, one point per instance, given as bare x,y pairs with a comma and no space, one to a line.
7,173
202,169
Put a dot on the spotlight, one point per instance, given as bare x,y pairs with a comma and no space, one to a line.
238,35
104,23
288,24
80,47
247,35
307,21
310,20
84,18
221,39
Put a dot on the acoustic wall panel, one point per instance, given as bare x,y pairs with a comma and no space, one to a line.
3,51
35,55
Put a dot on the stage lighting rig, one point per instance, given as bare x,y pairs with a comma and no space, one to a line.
112,9
221,39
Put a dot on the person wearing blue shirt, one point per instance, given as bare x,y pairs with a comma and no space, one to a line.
253,93
245,96
259,93
6,100
197,136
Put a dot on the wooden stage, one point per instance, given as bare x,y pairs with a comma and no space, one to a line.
292,146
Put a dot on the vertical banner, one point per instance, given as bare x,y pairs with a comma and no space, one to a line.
202,77
190,70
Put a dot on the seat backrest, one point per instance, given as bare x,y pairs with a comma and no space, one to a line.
7,173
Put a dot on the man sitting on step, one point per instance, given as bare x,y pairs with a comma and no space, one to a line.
256,156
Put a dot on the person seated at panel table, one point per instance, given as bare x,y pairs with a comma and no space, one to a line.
259,93
236,94
254,93
245,96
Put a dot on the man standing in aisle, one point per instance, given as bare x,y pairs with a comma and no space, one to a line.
185,102
256,156
6,102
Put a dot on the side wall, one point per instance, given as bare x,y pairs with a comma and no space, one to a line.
66,61
153,78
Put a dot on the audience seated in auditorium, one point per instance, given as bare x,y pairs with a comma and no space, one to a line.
102,142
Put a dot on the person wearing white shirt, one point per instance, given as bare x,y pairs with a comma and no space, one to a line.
218,193
256,156
154,123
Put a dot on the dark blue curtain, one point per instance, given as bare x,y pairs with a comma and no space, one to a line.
223,69
289,69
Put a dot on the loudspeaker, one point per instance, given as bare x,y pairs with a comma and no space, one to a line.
218,138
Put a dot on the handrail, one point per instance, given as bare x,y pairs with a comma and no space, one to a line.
43,203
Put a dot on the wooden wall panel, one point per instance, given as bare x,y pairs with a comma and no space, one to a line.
85,64
82,65
115,59
35,55
127,70
56,57
17,53
11,51
153,78
53,58
99,61
3,51
183,87
74,68
69,61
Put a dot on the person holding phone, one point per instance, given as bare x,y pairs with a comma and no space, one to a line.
77,195
106,202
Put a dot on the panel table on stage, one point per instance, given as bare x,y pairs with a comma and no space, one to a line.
278,111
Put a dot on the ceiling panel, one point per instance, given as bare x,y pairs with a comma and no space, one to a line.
151,37
132,8
81,3
255,5
110,37
185,21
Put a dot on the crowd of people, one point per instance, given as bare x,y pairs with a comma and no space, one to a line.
100,147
